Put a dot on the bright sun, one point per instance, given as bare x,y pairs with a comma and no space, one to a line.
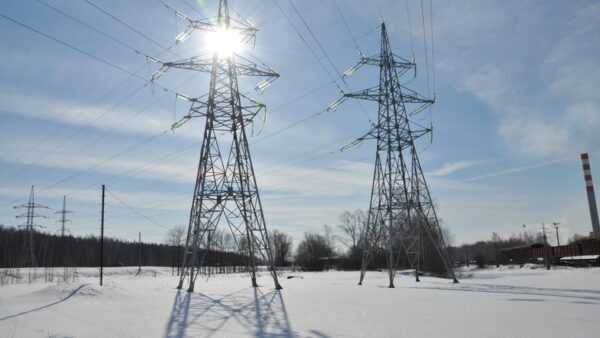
224,42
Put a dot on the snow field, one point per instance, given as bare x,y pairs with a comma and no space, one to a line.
505,302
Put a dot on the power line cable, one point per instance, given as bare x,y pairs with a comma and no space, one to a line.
114,66
309,152
91,56
410,33
64,125
135,211
346,25
108,63
131,28
193,146
317,40
432,45
425,44
305,42
192,7
79,131
135,50
315,172
105,134
327,57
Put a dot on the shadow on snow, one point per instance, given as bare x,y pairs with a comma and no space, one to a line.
588,296
45,306
258,314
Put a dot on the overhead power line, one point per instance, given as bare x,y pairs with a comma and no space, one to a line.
135,211
168,50
317,41
346,25
432,45
68,45
79,131
410,33
57,130
111,131
338,73
83,52
305,42
135,50
110,37
425,45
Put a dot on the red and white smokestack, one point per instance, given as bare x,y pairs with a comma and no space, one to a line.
589,186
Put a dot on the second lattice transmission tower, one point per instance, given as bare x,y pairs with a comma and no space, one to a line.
402,221
226,193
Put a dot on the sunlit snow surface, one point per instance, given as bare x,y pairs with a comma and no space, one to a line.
501,302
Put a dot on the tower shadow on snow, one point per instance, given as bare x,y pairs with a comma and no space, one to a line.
258,314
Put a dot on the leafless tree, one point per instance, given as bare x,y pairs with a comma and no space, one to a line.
313,252
281,245
353,225
176,237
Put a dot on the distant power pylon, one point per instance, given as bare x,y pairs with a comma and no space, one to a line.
28,255
63,218
226,193
401,217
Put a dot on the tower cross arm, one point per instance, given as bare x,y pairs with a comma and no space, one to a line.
367,94
410,96
31,205
243,28
193,63
245,67
396,61
371,134
415,134
33,225
198,109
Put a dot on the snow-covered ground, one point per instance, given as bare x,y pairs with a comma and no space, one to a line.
501,302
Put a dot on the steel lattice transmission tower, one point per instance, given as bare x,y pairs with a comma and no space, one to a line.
63,217
401,218
28,256
226,192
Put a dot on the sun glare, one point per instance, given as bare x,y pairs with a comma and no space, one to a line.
224,42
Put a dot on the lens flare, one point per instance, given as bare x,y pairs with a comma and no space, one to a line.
225,42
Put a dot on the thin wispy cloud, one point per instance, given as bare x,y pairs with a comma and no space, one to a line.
103,117
516,170
449,168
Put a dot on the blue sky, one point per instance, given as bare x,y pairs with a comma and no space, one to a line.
517,101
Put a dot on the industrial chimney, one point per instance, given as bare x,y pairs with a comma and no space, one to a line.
589,186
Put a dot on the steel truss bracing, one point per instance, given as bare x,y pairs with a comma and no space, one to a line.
28,255
401,218
226,192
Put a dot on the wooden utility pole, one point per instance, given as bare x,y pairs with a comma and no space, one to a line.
102,235
140,254
178,258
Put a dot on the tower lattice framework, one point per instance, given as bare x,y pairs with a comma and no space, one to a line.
401,217
28,253
63,218
226,193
